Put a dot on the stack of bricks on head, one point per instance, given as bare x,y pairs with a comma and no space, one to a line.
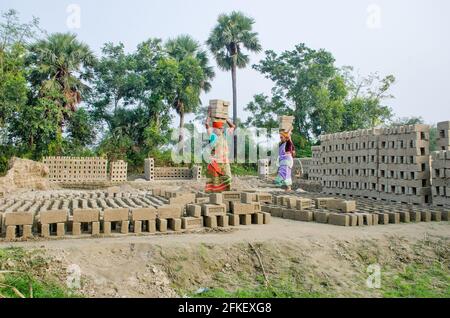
285,123
219,110
101,213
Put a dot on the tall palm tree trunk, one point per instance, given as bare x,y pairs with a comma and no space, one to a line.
233,80
180,137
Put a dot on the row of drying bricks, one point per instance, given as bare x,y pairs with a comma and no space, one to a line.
340,212
210,211
36,206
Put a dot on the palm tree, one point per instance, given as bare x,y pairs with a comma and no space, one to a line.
195,74
232,33
60,65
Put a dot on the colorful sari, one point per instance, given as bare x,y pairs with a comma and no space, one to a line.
218,172
285,164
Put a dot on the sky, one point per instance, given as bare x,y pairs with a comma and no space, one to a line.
406,38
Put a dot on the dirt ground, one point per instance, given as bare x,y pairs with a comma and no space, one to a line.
324,258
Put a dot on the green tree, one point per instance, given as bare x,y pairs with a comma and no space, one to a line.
60,66
195,75
322,97
227,40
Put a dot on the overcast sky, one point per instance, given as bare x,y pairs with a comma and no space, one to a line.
409,39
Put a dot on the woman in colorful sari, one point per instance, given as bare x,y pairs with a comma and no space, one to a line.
218,172
286,153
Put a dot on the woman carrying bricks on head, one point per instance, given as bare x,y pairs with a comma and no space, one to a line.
218,172
286,153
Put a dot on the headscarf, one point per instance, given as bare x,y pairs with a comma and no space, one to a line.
218,124
284,134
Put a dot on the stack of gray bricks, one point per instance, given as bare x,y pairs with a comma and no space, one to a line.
391,164
118,171
443,138
149,169
404,164
349,163
315,170
263,168
441,177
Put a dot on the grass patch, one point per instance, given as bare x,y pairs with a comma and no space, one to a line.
419,281
27,274
284,290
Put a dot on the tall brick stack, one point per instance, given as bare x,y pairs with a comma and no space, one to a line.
118,171
315,170
149,169
404,164
263,168
443,137
349,163
441,177
390,164
76,169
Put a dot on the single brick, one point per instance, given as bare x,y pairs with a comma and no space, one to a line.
248,197
194,210
45,230
172,211
305,216
76,228
161,225
53,216
425,216
222,220
216,198
86,215
151,226
60,229
394,217
210,221
18,218
321,217
143,214
414,216
233,219
115,215
258,218
353,219
339,219
174,224
264,198
213,210
375,218
27,231
107,227
10,232
289,214
267,217
231,196
383,218
124,227
191,222
367,219
137,226
303,204
242,208
245,219
404,216
95,228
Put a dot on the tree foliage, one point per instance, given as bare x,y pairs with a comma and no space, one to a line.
321,97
